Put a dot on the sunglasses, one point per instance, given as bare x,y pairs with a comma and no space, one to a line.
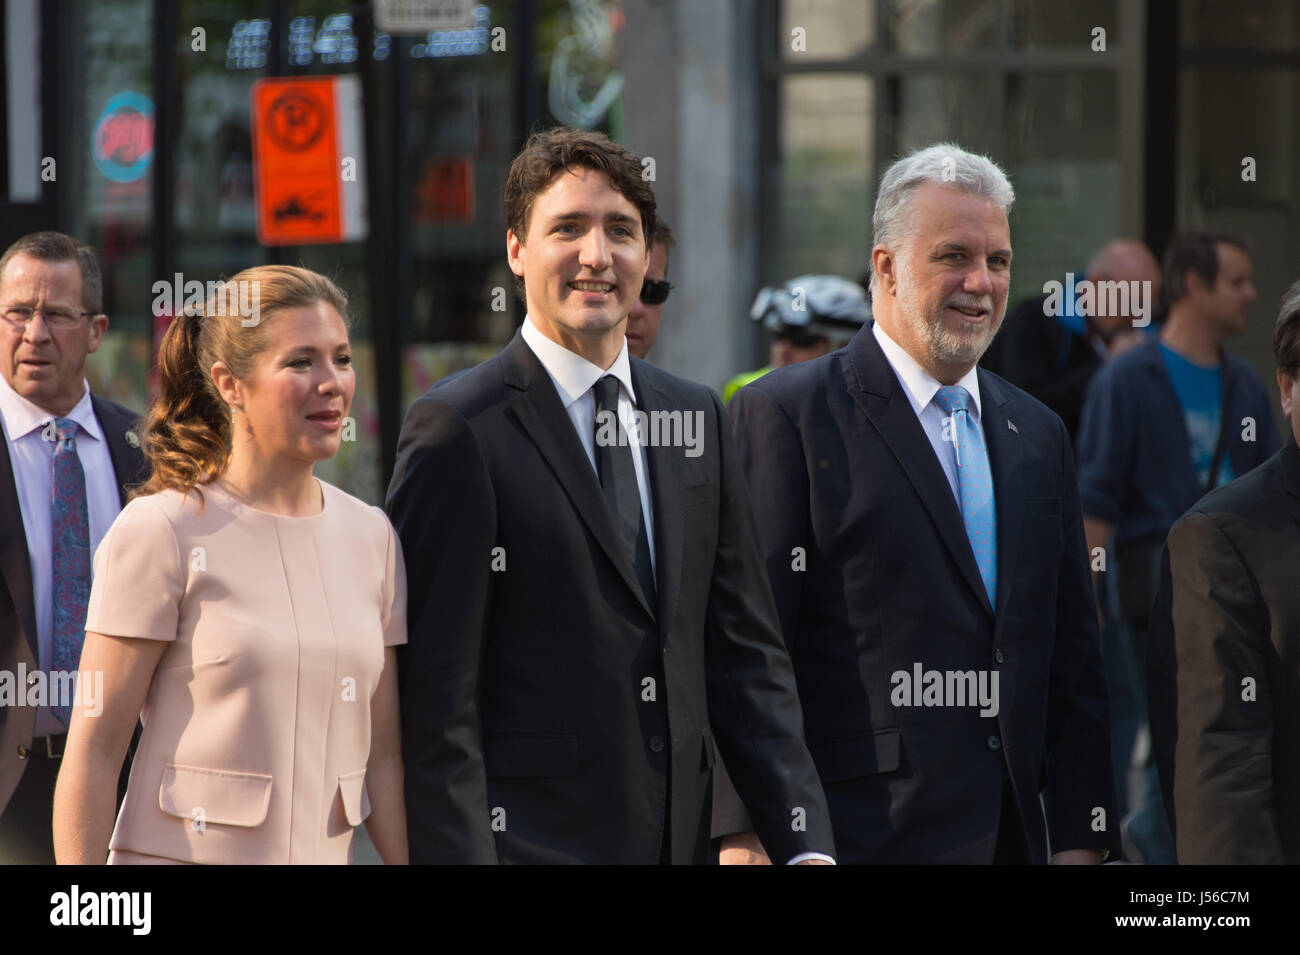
655,291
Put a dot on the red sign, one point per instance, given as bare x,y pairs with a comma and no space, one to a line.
308,167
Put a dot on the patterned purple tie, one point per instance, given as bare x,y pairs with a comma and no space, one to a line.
70,526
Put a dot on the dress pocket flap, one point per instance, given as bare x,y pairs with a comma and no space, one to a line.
524,756
858,756
356,801
214,796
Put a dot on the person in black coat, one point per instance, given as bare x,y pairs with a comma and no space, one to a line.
1223,654
589,619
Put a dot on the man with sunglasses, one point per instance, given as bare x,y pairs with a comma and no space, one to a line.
648,309
809,316
65,463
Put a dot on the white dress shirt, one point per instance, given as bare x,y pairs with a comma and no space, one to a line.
920,387
575,378
32,457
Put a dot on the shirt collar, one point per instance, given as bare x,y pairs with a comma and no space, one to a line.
23,416
572,374
918,383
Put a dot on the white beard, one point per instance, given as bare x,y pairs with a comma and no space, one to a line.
944,346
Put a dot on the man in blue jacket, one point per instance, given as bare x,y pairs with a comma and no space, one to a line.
1163,424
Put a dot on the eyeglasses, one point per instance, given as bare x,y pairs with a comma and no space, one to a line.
19,316
655,291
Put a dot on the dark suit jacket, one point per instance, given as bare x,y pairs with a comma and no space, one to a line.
1223,667
549,714
873,573
17,605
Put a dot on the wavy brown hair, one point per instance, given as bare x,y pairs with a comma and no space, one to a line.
187,431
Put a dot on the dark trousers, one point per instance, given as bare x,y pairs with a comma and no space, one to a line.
26,832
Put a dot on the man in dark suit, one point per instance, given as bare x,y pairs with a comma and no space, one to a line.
65,464
1223,654
923,538
588,611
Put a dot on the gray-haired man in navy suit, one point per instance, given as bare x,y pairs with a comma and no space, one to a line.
921,525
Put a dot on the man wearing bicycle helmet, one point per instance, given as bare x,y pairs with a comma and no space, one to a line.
809,316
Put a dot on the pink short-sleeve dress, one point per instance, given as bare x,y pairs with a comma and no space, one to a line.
257,720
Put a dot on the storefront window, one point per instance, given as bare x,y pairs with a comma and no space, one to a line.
904,74
110,174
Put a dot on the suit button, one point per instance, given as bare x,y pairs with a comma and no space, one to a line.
656,744
994,743
23,751
997,656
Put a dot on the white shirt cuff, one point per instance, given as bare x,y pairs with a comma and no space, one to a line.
804,856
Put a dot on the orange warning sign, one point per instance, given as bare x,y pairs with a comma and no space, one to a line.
307,160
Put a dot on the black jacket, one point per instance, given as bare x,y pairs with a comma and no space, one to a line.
529,734
1223,669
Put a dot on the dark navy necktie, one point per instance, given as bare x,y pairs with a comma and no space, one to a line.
618,481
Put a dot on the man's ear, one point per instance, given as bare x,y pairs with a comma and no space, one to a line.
1285,384
886,267
98,328
1194,283
514,253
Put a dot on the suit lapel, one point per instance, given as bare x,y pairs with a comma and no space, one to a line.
1006,451
665,466
15,564
881,397
548,426
126,461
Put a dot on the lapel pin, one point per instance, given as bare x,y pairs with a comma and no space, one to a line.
133,439
1011,425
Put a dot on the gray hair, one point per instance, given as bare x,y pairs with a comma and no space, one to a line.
945,164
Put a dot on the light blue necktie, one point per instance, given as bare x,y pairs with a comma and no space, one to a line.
70,526
974,482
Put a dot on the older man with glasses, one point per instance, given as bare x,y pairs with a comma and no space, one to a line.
65,463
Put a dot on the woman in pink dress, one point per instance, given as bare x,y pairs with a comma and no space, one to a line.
246,611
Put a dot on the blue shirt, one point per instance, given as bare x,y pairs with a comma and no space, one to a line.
1200,393
1137,467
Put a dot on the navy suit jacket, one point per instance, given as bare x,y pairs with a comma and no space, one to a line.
17,609
873,574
